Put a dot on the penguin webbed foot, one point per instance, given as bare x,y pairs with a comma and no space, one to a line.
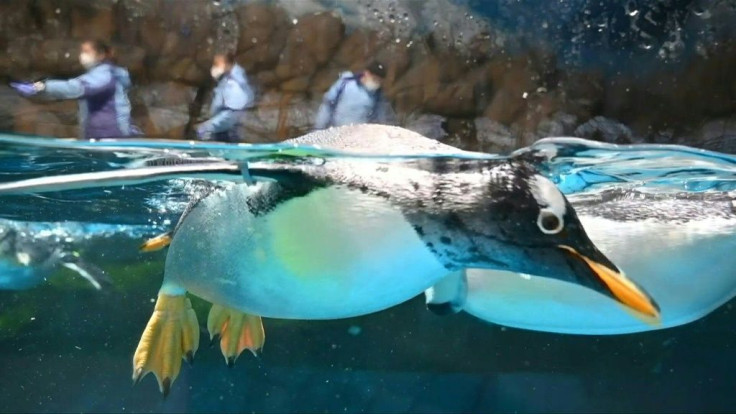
236,331
172,334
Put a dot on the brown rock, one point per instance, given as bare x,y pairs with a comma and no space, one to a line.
52,17
267,79
461,98
300,84
311,43
358,49
279,116
257,24
92,23
420,84
131,58
185,70
53,119
15,20
11,101
324,79
511,81
397,58
162,108
57,57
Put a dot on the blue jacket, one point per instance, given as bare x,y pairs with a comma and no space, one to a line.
348,102
231,97
104,108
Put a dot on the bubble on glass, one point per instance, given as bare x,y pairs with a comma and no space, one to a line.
631,8
701,12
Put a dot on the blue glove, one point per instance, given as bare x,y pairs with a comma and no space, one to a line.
202,133
24,88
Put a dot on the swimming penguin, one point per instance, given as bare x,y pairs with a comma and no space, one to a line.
27,260
678,246
352,236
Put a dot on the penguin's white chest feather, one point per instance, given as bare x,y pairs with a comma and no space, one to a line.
687,267
330,254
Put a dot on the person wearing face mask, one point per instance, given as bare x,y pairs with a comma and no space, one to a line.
356,98
232,96
104,108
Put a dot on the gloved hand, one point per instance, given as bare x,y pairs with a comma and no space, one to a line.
24,88
202,133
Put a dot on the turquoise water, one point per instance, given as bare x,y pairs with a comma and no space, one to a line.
67,346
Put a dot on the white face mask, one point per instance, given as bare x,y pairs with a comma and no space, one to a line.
87,60
371,85
216,72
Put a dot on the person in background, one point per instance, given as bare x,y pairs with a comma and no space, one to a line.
356,98
232,96
102,92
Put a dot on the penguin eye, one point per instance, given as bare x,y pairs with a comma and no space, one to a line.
549,223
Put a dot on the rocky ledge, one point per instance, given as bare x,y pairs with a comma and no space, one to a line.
451,75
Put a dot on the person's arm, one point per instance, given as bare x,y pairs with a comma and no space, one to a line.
235,100
89,84
322,119
222,121
386,114
250,94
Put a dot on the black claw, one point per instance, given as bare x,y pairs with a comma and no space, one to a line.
189,358
215,339
166,387
137,377
230,362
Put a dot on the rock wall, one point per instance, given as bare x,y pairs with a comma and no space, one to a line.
450,74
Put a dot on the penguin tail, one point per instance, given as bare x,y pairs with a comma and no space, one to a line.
156,243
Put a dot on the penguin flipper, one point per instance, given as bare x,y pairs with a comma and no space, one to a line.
163,240
157,243
93,274
448,295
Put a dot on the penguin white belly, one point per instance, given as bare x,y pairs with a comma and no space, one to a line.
690,268
333,253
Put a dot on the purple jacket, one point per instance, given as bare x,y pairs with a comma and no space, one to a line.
104,108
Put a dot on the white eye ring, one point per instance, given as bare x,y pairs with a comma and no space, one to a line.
549,223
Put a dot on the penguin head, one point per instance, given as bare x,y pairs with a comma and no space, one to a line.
517,220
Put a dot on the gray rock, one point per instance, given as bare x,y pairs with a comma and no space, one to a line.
606,130
494,137
429,125
561,124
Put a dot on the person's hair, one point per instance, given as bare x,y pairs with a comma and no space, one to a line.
228,56
100,46
377,69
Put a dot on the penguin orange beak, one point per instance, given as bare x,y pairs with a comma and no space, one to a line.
620,287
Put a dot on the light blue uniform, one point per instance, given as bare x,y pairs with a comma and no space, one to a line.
232,96
349,102
104,108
